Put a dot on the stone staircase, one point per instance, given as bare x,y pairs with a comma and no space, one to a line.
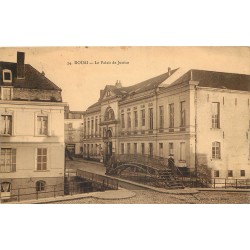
167,178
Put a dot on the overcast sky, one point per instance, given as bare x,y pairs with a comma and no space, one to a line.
81,83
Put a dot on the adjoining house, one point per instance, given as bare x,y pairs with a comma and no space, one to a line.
73,129
31,133
199,117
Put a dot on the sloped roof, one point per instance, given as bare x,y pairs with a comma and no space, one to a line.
213,79
136,88
33,78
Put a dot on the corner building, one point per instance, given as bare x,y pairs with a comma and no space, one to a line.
31,133
200,117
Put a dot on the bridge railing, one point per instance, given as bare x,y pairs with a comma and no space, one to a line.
159,163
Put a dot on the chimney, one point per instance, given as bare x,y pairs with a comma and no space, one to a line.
20,64
118,84
169,71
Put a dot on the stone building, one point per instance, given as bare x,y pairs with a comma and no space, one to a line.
200,117
73,131
31,132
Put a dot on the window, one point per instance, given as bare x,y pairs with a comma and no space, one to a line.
143,117
128,148
215,115
100,129
7,75
135,148
171,115
129,120
96,128
70,126
161,149
216,150
5,188
183,114
42,159
230,173
171,148
151,118
40,186
123,120
161,113
7,160
216,173
108,93
182,151
42,125
88,126
122,149
6,93
242,173
150,149
6,125
136,118
142,148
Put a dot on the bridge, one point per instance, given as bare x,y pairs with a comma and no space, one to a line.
151,170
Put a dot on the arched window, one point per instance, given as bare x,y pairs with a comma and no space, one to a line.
109,114
40,186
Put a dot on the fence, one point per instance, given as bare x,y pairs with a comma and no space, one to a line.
83,182
216,182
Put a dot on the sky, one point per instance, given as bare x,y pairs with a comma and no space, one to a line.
81,82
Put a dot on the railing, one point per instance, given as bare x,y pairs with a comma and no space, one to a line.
156,162
105,182
217,182
90,183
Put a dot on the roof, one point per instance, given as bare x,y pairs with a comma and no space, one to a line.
140,87
33,78
213,79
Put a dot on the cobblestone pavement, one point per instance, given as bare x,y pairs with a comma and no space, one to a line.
151,197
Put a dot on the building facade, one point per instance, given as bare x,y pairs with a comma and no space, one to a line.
73,131
31,132
200,117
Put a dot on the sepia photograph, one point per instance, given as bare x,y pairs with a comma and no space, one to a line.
125,125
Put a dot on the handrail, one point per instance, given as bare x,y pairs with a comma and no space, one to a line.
157,162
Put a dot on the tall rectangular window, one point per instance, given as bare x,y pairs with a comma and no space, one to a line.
216,150
129,120
230,173
136,118
7,160
96,126
6,93
6,125
183,114
42,125
128,148
216,173
161,149
122,120
215,115
142,148
161,114
151,118
135,148
171,115
182,151
100,128
122,149
151,153
143,117
171,148
41,159
242,173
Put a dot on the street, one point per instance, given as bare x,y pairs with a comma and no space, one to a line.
145,196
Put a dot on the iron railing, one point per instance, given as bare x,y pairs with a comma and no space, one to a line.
159,163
